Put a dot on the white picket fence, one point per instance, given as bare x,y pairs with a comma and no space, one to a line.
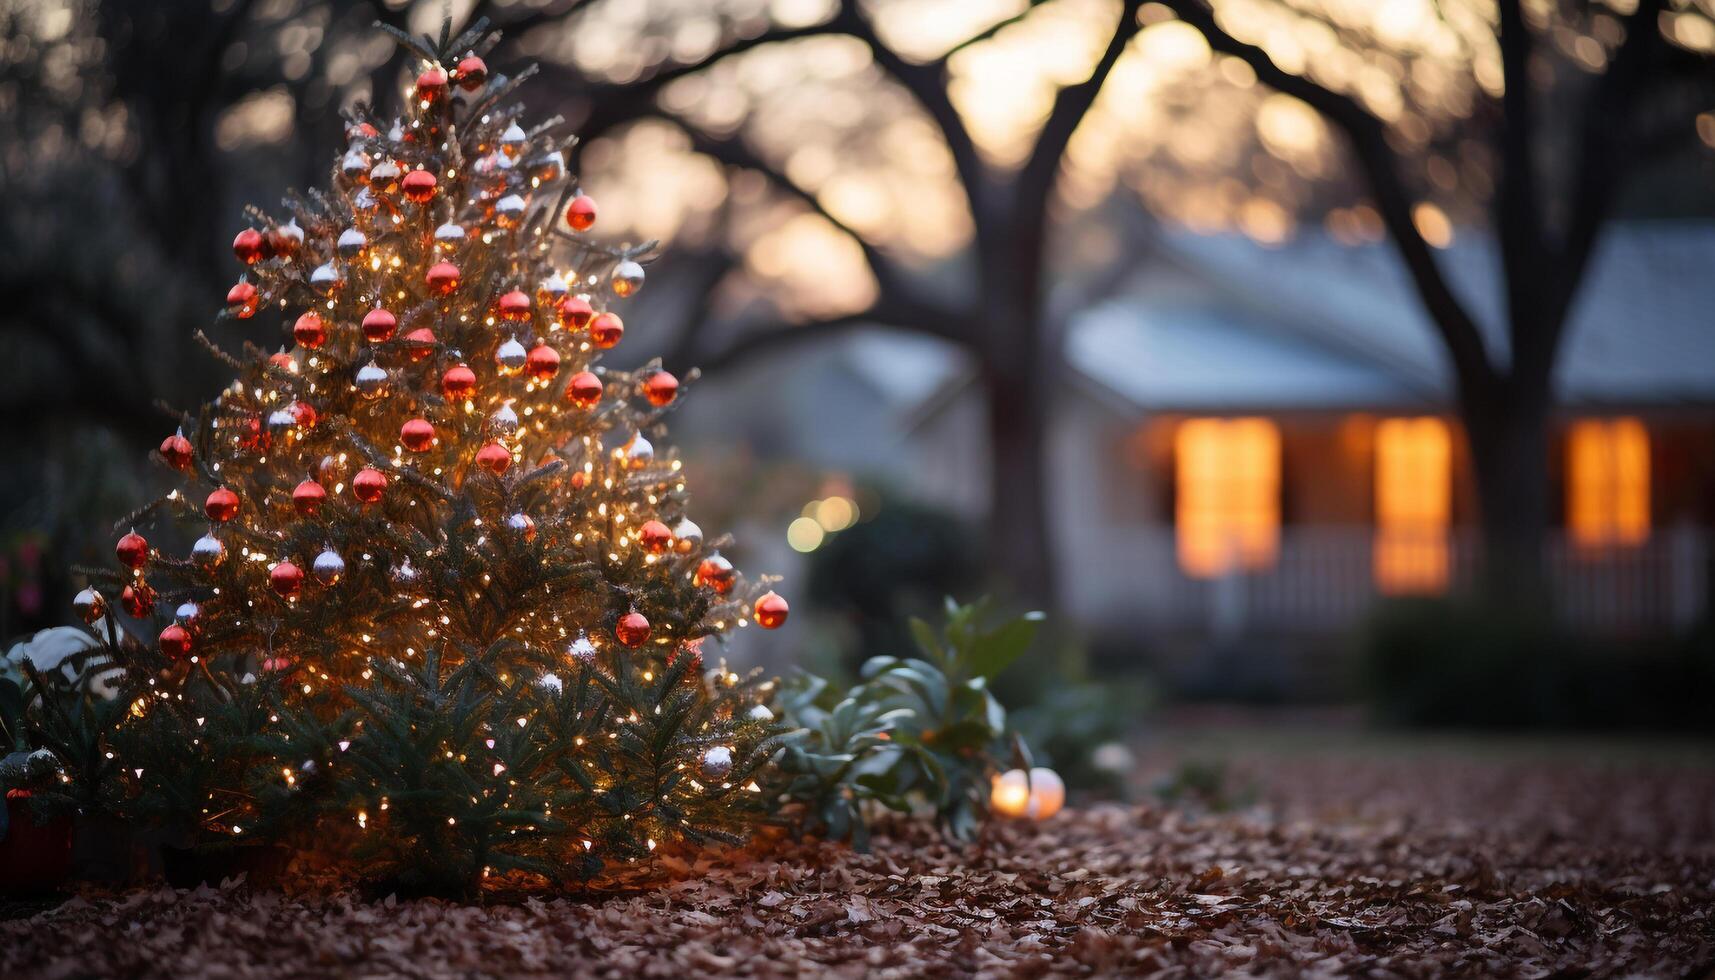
1323,580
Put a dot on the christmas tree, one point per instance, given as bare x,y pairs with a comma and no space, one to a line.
443,609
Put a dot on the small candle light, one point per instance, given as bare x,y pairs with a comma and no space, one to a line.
1037,796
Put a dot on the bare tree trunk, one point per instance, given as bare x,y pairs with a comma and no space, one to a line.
1019,538
1509,455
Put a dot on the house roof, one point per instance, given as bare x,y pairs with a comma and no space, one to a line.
1221,323
1346,321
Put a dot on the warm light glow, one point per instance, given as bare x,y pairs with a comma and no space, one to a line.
1228,485
804,534
1608,482
1037,796
1414,502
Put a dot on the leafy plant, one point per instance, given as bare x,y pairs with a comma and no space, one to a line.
917,728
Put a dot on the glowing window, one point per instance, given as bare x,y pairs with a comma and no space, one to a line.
1607,482
1414,500
1228,490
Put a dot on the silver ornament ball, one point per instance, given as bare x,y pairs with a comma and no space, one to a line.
328,567
511,356
371,380
89,605
208,551
717,762
627,279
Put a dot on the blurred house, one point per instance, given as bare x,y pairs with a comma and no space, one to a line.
1254,443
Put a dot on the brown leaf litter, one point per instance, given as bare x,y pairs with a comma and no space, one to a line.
1426,867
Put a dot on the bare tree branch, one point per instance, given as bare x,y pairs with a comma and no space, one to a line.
927,85
991,30
734,152
1380,165
759,339
613,104
1600,161
1518,213
1071,104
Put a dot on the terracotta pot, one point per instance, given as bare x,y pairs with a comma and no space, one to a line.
187,867
33,857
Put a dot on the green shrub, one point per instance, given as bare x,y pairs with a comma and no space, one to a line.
1442,662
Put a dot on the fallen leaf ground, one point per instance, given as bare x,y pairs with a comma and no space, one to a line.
1383,861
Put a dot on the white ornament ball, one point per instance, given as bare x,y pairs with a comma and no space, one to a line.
504,421
627,279
761,713
638,452
208,551
328,567
511,356
582,650
351,242
687,536
326,278
717,762
371,380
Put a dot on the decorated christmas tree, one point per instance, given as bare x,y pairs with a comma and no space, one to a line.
428,592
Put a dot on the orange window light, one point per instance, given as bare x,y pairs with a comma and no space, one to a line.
1608,482
1414,502
1228,490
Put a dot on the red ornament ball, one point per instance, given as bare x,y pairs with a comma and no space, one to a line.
419,344
606,329
580,214
770,611
632,629
661,388
253,435
310,331
715,572
241,300
543,363
305,414
494,457
378,325
221,505
282,360
471,73
418,186
307,498
133,550
175,642
249,246
138,600
585,390
432,84
458,382
287,580
655,536
442,278
575,312
368,484
580,479
176,450
514,306
417,435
